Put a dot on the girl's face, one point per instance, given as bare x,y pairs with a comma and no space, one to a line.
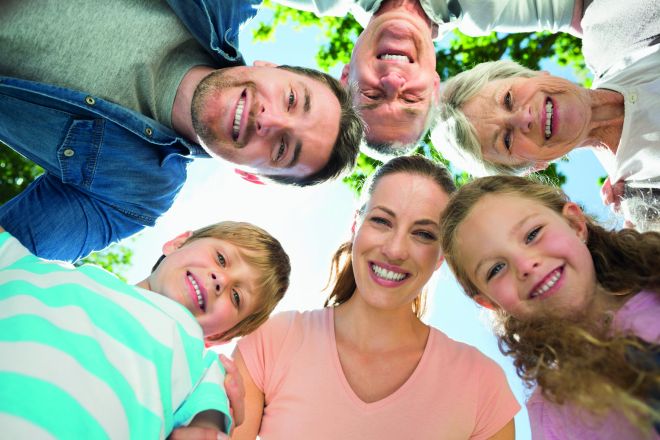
397,248
526,258
210,278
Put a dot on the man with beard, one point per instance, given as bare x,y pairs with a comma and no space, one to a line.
113,101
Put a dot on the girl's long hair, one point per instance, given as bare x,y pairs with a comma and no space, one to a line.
342,277
580,360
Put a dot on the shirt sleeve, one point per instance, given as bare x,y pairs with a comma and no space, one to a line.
207,393
479,17
496,402
262,349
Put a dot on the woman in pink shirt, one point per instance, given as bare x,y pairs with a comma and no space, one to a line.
366,366
577,305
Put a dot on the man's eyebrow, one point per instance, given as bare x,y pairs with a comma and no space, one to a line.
296,155
308,105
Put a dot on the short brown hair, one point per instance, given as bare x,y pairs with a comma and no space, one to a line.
261,251
351,129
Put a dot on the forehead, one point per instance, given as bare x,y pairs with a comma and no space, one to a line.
394,122
409,195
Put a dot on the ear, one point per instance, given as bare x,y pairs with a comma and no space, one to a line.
262,63
439,263
576,219
436,88
176,242
485,302
344,74
540,165
252,178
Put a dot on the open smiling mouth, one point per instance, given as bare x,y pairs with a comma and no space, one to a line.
548,283
200,297
398,58
386,274
549,111
238,116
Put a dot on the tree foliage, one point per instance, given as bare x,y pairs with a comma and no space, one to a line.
458,53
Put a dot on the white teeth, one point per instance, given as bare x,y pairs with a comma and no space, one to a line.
237,117
392,57
547,285
200,297
387,274
548,118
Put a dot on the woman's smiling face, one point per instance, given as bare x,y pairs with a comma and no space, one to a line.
529,121
396,248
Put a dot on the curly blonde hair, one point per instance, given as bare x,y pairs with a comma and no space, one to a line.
580,360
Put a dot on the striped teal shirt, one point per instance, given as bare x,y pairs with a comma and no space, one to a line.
84,355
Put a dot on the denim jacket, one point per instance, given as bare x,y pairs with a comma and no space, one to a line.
109,171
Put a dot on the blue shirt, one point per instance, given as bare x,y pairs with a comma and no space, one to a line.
109,171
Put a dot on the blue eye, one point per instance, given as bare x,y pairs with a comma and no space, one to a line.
379,220
236,298
281,151
532,234
292,100
221,260
494,271
508,100
507,140
426,235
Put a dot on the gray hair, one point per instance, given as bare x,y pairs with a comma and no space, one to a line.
641,206
383,151
454,135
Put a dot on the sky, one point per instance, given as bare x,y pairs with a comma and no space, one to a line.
312,222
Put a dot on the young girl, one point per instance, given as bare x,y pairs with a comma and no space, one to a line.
577,304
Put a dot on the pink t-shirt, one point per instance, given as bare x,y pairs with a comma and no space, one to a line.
564,422
454,393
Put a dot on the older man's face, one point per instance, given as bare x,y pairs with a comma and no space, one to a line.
269,120
393,64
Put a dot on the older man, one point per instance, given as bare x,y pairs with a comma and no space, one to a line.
113,99
393,61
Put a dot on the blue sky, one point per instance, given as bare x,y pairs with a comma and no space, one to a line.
311,223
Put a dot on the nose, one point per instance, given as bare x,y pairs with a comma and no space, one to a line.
522,119
270,123
218,281
395,247
526,265
392,83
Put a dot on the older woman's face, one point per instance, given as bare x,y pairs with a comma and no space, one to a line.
396,249
529,121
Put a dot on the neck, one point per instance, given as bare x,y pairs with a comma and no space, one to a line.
607,113
181,110
144,284
373,329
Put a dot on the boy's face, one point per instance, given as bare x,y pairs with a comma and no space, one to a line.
210,278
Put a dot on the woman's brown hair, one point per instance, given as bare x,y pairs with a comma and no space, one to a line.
342,277
576,360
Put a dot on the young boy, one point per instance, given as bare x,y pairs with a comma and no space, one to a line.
84,355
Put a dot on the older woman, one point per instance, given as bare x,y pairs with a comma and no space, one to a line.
366,366
502,118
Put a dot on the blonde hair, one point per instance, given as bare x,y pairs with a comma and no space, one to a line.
576,360
342,277
261,251
454,135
